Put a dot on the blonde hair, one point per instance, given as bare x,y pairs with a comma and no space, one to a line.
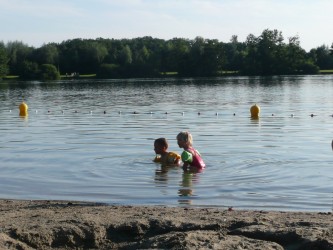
185,136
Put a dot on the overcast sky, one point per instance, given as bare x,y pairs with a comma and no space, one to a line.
37,22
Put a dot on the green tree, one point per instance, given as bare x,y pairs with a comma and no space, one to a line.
3,60
194,58
308,67
322,57
266,54
47,54
18,52
269,47
177,51
69,56
251,65
91,55
202,59
211,63
269,55
142,55
145,62
112,46
125,55
296,57
29,70
231,56
98,52
49,72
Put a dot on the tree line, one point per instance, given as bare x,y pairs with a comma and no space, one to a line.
266,54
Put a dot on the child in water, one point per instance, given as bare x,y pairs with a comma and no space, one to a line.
190,156
163,156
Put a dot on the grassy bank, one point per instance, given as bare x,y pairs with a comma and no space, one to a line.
77,76
326,71
10,77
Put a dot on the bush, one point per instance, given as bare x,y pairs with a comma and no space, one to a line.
309,68
48,72
108,71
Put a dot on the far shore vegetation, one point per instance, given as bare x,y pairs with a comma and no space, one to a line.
268,54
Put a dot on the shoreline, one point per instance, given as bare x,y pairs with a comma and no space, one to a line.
85,225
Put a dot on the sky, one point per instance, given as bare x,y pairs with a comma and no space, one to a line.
38,22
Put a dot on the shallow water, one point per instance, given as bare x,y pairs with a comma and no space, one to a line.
82,141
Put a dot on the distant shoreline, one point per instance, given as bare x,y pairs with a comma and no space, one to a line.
93,76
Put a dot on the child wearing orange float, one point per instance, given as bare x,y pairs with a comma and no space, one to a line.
190,156
163,156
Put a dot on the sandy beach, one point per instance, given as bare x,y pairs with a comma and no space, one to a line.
80,225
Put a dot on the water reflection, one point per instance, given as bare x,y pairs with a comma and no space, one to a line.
161,176
185,190
187,185
24,118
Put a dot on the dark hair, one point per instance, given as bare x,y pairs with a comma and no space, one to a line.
162,142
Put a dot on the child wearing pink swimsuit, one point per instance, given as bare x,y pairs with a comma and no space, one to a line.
190,156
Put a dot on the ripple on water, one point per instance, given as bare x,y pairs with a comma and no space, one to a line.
280,161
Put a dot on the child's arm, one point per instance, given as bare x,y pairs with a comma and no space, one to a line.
186,165
177,159
186,158
157,158
173,159
177,162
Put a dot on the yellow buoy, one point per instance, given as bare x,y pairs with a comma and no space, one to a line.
23,109
255,110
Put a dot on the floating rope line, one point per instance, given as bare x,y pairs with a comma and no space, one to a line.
254,112
199,113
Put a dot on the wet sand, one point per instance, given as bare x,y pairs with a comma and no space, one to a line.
80,225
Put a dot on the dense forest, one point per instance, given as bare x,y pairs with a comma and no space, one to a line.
267,54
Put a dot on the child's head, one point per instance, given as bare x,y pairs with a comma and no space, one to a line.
184,139
161,145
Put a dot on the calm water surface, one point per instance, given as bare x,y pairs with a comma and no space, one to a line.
82,141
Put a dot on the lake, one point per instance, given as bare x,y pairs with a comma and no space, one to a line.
92,140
